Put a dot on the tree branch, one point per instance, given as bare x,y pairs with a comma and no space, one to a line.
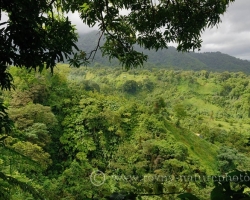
3,23
105,28
97,46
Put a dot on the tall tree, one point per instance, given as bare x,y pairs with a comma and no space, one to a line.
44,36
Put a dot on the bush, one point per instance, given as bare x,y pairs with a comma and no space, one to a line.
130,86
90,86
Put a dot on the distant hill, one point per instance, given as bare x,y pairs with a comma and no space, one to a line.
170,58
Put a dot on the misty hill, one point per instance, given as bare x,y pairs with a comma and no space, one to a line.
170,58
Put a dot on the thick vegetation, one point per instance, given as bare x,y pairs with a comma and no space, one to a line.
141,139
154,134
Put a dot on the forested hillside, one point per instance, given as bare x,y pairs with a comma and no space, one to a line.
106,133
174,128
170,58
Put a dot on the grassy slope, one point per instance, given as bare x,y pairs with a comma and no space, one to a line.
198,148
202,150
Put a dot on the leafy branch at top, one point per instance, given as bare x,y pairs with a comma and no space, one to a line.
41,38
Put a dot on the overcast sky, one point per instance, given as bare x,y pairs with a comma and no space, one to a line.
231,37
233,34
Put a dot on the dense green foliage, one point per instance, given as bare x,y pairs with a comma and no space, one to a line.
168,138
104,135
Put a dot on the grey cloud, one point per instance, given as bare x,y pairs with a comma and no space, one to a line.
233,34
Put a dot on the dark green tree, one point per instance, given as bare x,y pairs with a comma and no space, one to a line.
33,36
229,159
89,85
130,86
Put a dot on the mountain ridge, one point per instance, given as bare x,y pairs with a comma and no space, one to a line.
170,58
